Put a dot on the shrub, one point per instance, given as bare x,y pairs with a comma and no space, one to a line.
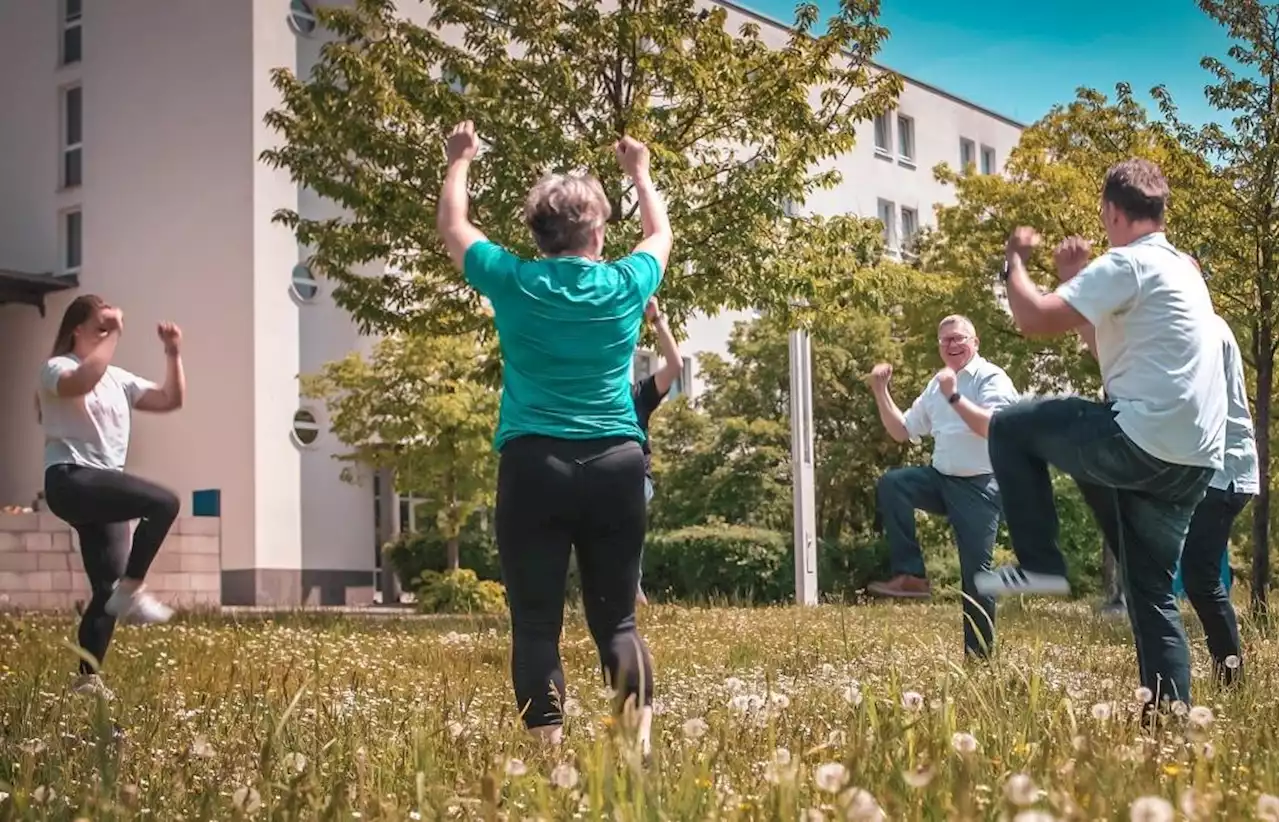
459,592
412,554
719,561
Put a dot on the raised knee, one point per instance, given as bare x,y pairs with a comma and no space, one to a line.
167,505
890,482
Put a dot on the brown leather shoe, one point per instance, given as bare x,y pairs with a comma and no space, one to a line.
903,586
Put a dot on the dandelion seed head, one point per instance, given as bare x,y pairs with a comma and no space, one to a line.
1101,711
918,777
1268,808
853,694
1035,816
515,768
1143,695
296,762
1200,716
694,728
1021,790
571,708
246,799
564,776
1151,809
912,701
1179,708
964,743
830,777
1232,662
860,806
782,756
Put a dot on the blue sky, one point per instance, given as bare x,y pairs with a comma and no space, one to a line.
1019,57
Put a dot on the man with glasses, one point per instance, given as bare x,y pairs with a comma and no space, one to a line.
955,409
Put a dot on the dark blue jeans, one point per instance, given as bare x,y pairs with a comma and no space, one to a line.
1202,555
1151,502
972,506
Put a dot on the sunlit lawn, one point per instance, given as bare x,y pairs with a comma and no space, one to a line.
780,713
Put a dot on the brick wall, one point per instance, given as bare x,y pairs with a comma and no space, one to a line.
40,565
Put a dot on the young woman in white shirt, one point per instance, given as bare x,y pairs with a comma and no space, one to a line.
85,406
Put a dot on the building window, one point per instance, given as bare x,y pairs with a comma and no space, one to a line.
454,81
72,242
682,384
305,428
906,139
301,18
884,136
910,224
968,154
72,134
887,214
643,365
790,208
988,160
71,32
303,284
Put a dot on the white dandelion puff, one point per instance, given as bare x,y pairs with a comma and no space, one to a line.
853,694
296,762
572,708
1179,708
1143,695
919,777
1232,662
780,701
1035,816
1200,716
1101,711
456,730
1151,809
860,806
782,756
830,777
1021,790
515,768
912,700
1268,808
564,776
43,794
246,799
695,728
964,743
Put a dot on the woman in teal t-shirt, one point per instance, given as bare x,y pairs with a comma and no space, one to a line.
571,471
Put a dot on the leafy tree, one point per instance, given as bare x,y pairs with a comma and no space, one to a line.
737,129
732,460
1053,182
1240,255
425,407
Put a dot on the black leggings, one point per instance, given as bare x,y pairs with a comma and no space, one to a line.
588,495
99,504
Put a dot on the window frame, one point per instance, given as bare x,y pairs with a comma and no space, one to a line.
66,219
70,148
295,281
315,421
885,150
903,211
890,208
983,153
972,146
69,22
302,18
909,133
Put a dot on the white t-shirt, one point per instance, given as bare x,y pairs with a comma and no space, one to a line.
1240,458
1158,349
92,430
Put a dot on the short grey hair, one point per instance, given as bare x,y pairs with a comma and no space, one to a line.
961,320
563,210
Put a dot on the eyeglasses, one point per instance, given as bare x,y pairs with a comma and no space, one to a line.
955,339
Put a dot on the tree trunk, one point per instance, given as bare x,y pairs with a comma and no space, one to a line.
389,518
451,553
1262,431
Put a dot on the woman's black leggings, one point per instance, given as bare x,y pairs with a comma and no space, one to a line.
99,504
587,495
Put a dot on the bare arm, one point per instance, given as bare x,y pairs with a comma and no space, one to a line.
672,362
171,395
85,378
1036,313
452,222
1089,336
653,219
895,423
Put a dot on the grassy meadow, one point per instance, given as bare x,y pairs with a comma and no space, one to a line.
857,713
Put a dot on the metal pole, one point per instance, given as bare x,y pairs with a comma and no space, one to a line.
805,538
389,518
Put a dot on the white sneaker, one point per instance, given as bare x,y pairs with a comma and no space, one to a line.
92,685
1011,580
135,605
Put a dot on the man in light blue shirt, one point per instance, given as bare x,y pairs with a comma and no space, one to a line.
954,409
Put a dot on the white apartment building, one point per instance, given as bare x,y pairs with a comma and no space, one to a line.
128,168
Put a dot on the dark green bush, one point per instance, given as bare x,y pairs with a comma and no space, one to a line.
412,554
717,561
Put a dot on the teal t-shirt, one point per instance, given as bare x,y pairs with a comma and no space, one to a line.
567,329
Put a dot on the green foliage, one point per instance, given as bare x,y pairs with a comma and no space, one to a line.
737,128
425,407
412,554
718,561
459,592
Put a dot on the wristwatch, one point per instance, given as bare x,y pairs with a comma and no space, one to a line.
1005,272
954,398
